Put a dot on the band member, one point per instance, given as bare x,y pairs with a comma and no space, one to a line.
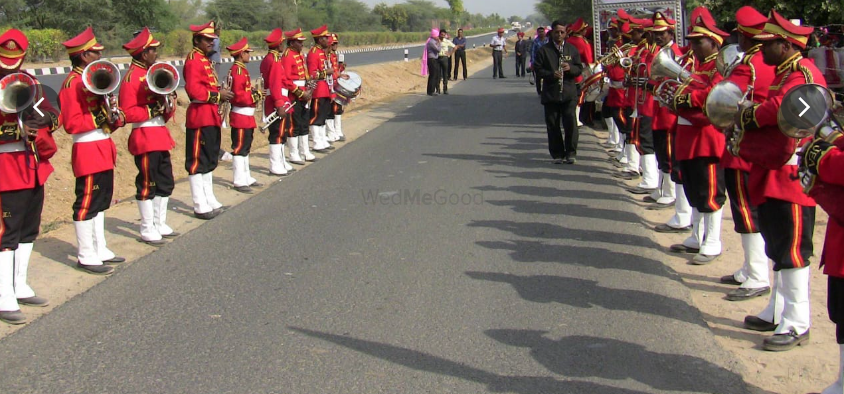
242,117
628,119
752,73
334,123
87,117
277,138
699,145
587,57
322,72
203,122
664,119
150,142
294,97
615,139
25,154
786,214
557,64
824,158
643,107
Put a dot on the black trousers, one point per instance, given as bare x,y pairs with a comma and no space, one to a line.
93,195
155,175
20,216
557,115
703,183
202,149
835,305
460,56
497,64
787,229
662,151
644,135
433,75
520,65
445,64
320,108
242,141
276,133
297,122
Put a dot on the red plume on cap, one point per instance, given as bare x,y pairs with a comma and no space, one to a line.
750,22
662,23
623,15
704,26
13,45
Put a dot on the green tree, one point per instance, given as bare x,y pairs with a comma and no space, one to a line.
393,17
246,15
565,10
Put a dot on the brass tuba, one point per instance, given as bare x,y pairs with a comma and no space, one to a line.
17,92
728,58
665,66
163,79
723,104
102,78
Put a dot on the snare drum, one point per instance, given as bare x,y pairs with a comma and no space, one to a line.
347,90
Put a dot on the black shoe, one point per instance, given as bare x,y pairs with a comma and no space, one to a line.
115,260
342,138
729,280
445,93
206,215
244,189
431,94
659,207
13,317
627,175
159,242
96,269
704,259
501,76
783,342
34,301
756,324
746,294
680,248
558,161
664,228
330,148
571,160
174,234
640,190
648,199
300,162
257,184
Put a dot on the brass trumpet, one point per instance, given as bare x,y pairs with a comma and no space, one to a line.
225,106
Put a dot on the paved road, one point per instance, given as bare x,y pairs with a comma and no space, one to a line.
53,82
356,276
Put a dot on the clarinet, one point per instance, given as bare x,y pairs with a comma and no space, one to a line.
560,69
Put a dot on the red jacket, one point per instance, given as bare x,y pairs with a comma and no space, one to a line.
752,68
664,119
699,138
317,60
615,96
644,55
139,104
585,50
293,74
203,89
831,170
764,145
19,169
82,113
273,86
630,95
243,98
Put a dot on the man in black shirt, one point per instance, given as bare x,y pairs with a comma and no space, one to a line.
557,64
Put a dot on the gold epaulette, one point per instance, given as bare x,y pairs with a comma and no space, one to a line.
806,73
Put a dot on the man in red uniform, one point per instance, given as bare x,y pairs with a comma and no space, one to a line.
277,138
25,166
587,56
203,122
628,119
242,117
699,145
786,214
290,78
84,115
753,74
334,123
320,69
664,119
824,159
614,140
150,141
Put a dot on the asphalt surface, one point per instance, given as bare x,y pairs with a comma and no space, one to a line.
535,278
53,83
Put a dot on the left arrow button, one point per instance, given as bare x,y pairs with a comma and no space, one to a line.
41,100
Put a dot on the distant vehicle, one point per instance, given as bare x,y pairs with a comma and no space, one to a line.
515,26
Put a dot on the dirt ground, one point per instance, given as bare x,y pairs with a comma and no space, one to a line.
804,369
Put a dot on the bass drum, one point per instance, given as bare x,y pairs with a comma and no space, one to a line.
347,90
593,83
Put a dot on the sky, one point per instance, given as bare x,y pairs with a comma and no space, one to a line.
505,8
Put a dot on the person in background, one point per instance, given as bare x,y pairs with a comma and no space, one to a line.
829,61
459,54
499,48
540,40
521,54
444,59
430,64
